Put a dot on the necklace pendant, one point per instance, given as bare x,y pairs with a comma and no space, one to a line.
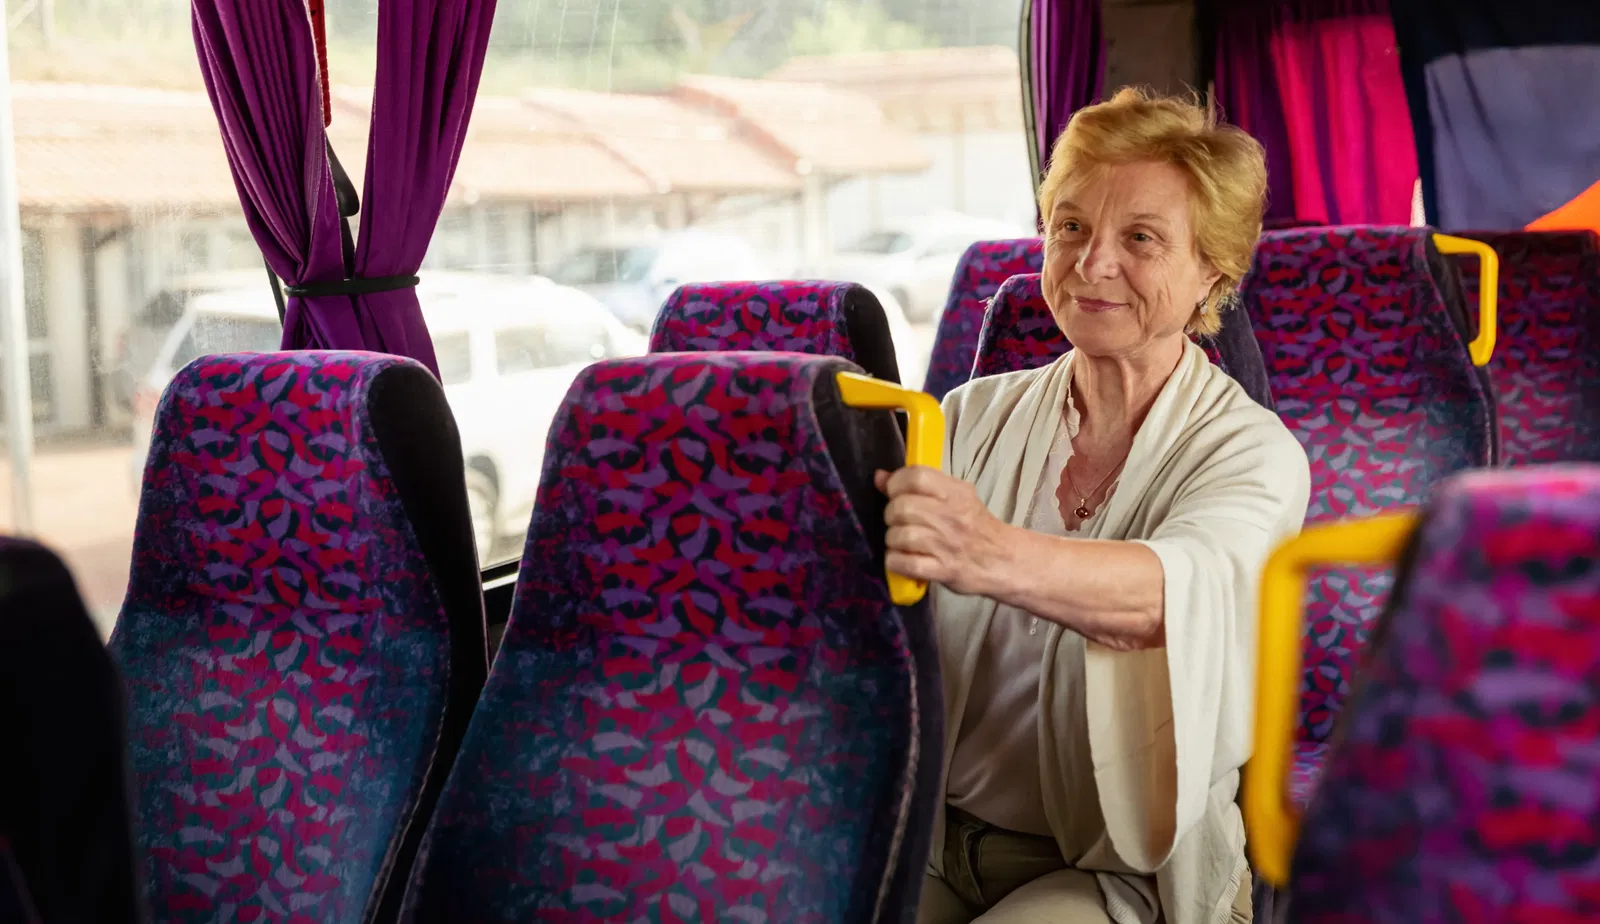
1082,512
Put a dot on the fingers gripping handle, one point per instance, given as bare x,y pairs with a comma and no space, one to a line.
924,445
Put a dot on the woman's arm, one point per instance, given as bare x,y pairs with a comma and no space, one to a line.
1109,592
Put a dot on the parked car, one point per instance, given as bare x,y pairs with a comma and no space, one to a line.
508,351
634,279
140,343
915,261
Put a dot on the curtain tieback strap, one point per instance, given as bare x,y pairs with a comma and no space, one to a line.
356,286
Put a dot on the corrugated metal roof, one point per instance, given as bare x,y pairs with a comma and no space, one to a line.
103,148
818,127
922,87
676,145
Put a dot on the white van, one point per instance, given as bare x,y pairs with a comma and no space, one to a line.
508,351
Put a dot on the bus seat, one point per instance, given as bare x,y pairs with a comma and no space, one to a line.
978,276
15,902
303,635
705,707
1019,332
1546,367
1369,368
824,318
1464,781
64,806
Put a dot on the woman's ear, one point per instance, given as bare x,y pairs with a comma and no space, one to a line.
1209,277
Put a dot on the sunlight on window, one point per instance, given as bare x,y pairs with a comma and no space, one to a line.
617,151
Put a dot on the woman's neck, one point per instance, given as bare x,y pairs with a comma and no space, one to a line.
1114,393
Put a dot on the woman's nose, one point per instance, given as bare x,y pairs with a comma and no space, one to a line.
1096,261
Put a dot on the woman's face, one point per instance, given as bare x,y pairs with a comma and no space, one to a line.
1121,270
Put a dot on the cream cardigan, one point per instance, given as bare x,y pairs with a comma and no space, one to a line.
1212,483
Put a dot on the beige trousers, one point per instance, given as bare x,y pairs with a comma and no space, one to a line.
995,876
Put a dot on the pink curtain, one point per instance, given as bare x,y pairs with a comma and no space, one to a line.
1353,155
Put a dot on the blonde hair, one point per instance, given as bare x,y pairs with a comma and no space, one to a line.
1227,173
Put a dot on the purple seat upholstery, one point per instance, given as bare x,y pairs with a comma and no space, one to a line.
979,275
1369,368
705,707
823,318
1546,365
303,634
1464,782
1019,333
66,840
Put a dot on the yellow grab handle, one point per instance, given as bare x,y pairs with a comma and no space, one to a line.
1482,346
924,445
1271,823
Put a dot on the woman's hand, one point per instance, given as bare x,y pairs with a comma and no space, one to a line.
940,531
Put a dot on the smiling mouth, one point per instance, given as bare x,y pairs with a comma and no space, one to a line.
1095,305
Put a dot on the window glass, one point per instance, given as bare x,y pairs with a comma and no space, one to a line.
519,350
454,352
882,243
580,341
223,334
617,147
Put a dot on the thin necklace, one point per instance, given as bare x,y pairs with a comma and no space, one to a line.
1083,513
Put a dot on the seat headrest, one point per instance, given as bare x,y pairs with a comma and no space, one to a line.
743,471
1019,332
983,269
1516,246
265,473
824,318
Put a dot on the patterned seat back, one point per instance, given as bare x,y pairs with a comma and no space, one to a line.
1546,365
303,634
1019,332
1369,369
823,318
705,707
983,268
1464,784
66,843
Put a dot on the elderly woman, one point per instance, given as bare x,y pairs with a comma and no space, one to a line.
1096,546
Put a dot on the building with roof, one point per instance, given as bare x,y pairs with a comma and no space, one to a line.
964,105
124,189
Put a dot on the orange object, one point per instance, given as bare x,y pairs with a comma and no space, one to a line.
1582,213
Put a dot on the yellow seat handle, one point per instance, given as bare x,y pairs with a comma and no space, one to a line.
1271,823
924,445
1482,346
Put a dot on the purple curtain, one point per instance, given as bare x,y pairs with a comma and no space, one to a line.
430,57
259,62
260,69
1243,85
1318,83
1066,68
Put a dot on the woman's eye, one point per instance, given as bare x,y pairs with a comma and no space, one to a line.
1139,237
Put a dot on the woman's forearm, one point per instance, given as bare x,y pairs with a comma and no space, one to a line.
1110,592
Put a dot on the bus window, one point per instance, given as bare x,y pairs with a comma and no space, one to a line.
606,162
454,352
